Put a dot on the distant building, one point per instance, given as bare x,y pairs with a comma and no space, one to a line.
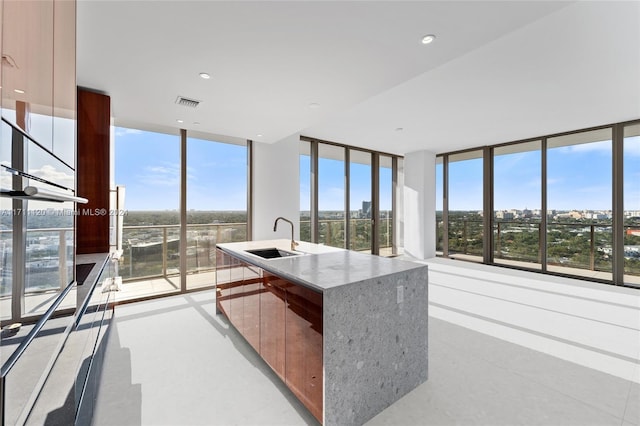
576,215
366,209
570,215
596,216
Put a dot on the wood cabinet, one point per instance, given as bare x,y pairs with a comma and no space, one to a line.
272,322
94,115
251,283
224,268
280,319
303,346
38,77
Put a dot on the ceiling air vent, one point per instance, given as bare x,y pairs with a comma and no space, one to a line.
191,103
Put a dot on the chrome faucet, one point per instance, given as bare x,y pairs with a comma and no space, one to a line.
275,227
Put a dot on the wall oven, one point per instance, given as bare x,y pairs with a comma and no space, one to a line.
38,292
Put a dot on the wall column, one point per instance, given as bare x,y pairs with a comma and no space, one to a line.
276,188
420,204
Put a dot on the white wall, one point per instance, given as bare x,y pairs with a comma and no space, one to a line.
420,204
276,188
276,192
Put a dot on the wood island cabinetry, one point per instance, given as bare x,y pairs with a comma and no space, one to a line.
281,320
345,331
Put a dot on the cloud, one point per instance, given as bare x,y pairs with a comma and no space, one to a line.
602,147
632,146
595,189
120,131
553,181
534,183
161,175
509,161
50,173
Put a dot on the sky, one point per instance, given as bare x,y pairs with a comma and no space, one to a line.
148,165
331,185
578,177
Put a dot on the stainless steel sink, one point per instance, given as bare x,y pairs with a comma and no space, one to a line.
272,253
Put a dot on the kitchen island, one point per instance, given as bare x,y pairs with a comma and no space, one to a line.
345,331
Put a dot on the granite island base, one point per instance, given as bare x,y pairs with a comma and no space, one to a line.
346,331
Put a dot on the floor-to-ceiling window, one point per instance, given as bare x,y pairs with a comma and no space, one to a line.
465,205
631,182
331,195
566,204
360,208
305,191
385,210
398,207
147,164
517,182
579,201
439,206
216,204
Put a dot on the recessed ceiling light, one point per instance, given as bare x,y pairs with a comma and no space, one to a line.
180,121
428,38
205,75
399,129
196,123
314,105
18,91
259,135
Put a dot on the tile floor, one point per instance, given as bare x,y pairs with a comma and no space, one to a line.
505,348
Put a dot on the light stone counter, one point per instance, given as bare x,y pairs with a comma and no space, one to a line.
374,323
319,267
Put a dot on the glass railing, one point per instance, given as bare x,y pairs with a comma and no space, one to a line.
360,234
581,246
439,234
385,231
465,237
517,241
154,250
331,233
45,247
305,230
586,246
632,250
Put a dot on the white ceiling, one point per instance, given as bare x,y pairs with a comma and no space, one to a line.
498,71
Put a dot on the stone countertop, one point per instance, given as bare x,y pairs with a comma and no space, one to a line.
319,267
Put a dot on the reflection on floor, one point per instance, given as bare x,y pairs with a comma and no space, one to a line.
36,303
173,361
163,285
595,325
